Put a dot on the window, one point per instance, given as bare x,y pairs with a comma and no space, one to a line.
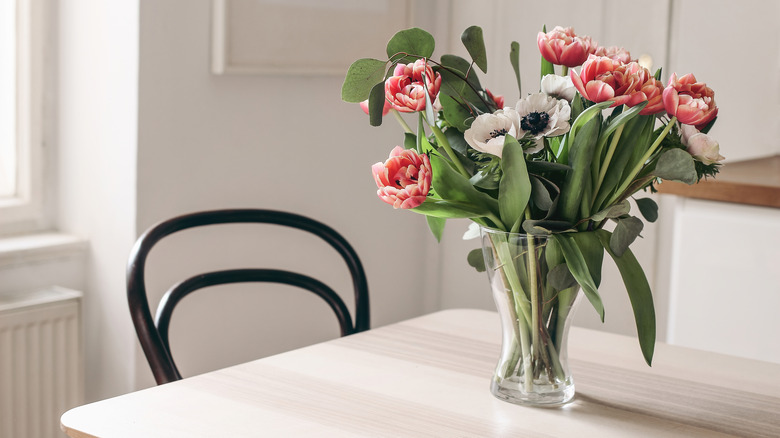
21,46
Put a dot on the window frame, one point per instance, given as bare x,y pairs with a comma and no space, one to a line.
25,212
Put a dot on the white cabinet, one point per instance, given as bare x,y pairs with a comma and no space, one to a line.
724,278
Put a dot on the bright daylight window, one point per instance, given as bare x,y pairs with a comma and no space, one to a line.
7,99
20,115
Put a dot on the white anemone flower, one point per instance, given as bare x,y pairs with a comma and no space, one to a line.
542,116
487,132
559,87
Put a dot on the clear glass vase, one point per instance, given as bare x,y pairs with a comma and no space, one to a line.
535,317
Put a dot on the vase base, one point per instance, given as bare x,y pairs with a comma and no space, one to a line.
542,397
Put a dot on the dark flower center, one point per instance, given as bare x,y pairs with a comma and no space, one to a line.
535,122
496,133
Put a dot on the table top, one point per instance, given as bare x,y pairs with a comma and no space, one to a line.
430,376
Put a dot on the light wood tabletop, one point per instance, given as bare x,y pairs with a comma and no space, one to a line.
430,377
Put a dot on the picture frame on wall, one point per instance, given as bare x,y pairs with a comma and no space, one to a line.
301,37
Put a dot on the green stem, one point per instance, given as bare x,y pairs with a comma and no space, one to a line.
564,71
401,121
635,171
533,292
607,159
522,309
444,143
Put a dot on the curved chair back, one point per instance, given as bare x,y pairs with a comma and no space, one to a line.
153,332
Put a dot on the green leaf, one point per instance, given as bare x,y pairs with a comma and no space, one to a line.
648,208
560,277
676,165
514,189
436,224
638,292
626,231
476,260
475,44
546,166
410,140
455,83
414,41
545,226
454,113
635,136
454,187
514,59
361,77
592,252
622,119
376,103
448,209
540,194
579,268
581,155
611,212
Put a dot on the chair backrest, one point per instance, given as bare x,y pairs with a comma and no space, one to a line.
153,332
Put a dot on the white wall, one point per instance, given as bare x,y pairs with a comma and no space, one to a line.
96,143
283,142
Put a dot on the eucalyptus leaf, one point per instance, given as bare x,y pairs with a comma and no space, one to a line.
676,165
545,226
514,59
414,41
454,113
639,294
514,189
436,224
539,194
579,269
475,44
458,144
376,104
560,277
361,77
546,166
626,231
648,208
460,81
613,211
476,260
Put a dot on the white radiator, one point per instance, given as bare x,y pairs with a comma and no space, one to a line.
41,361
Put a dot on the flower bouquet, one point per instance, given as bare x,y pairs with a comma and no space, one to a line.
540,179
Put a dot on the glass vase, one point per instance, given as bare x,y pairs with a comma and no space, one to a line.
535,317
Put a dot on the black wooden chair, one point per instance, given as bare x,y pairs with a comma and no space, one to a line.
153,332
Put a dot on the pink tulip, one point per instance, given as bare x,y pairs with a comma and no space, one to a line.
498,100
385,109
653,94
404,179
614,52
603,79
596,81
693,103
561,46
405,90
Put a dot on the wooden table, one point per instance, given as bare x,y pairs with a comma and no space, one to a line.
430,376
